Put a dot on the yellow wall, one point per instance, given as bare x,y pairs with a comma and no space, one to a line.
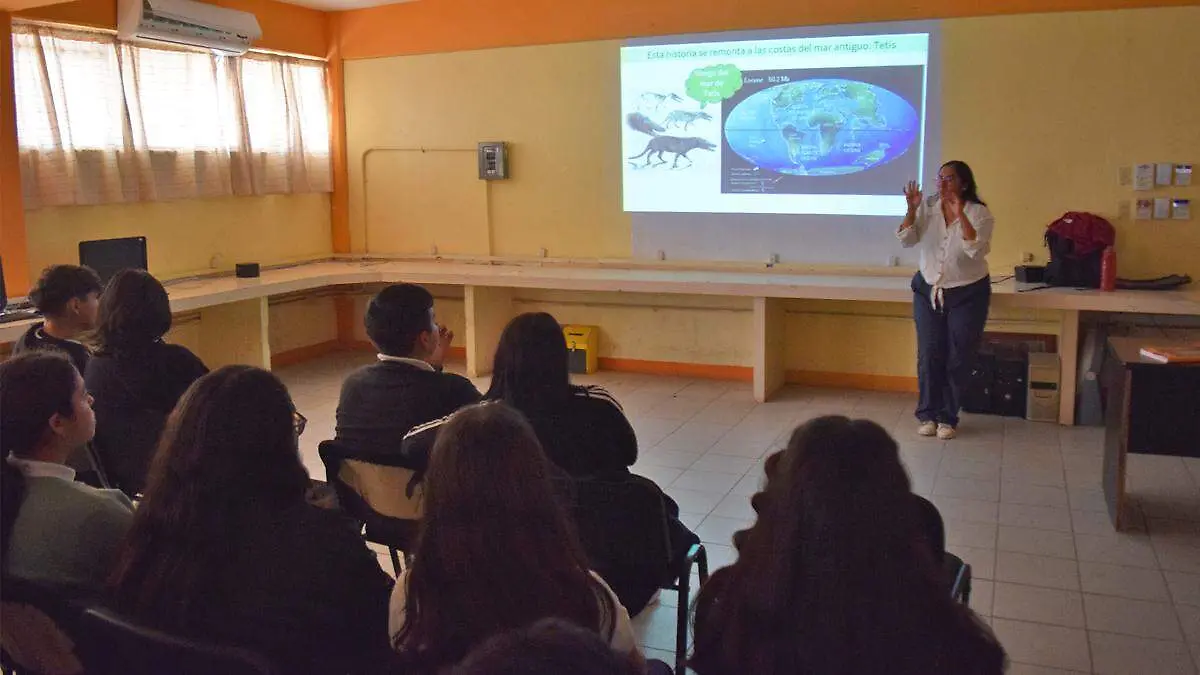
1047,108
184,236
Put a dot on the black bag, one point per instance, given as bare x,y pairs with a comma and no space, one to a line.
1067,269
1077,242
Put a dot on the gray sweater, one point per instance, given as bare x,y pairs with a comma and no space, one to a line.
67,533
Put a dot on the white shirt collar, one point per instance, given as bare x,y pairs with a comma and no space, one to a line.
35,469
415,363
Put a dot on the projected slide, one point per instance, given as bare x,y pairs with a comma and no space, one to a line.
825,125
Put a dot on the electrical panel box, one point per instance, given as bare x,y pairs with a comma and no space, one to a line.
493,160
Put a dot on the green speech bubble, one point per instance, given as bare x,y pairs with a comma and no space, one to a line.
713,84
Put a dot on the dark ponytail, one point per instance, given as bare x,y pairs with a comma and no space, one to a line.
33,388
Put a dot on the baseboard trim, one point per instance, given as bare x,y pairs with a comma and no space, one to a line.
676,369
866,381
455,353
292,357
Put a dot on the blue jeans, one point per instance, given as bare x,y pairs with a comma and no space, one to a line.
947,341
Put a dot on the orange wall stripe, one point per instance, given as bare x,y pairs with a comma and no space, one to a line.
431,26
339,201
286,28
865,381
12,212
676,369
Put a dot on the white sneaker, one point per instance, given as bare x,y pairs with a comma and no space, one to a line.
945,432
927,429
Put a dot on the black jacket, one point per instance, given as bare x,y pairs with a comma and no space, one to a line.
36,339
584,434
134,394
382,402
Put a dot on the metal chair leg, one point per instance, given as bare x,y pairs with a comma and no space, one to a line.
395,561
681,618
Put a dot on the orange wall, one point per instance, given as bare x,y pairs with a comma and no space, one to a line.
12,217
286,28
429,26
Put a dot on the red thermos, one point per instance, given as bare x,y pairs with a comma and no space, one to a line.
1108,270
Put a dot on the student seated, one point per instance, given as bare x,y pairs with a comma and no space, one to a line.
381,402
68,296
584,432
225,548
496,550
548,647
837,574
54,530
135,376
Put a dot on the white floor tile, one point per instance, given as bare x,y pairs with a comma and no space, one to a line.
1037,542
1040,605
1128,655
1036,570
720,530
1126,582
1133,550
1131,617
1037,517
1043,645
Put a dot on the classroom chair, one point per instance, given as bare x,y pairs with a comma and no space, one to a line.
379,492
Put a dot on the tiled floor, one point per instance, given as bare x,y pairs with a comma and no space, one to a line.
1021,500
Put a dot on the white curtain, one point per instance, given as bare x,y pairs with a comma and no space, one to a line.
100,121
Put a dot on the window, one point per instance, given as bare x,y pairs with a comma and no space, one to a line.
101,121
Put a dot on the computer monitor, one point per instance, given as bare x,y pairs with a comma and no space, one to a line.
109,256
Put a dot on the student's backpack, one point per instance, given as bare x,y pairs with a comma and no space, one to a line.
1077,242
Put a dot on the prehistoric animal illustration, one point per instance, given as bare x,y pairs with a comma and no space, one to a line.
685,118
675,145
639,122
657,100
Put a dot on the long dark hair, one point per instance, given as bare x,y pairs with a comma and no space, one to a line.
228,450
530,367
496,549
836,575
134,313
967,177
34,387
548,647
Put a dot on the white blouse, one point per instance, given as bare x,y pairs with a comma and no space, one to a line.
948,260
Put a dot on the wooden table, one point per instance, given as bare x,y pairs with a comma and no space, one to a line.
234,311
1153,408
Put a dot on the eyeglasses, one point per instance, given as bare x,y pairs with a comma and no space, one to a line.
299,422
946,179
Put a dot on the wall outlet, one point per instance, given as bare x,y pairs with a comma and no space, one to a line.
433,249
893,261
773,259
662,255
1026,257
216,261
1125,175
542,252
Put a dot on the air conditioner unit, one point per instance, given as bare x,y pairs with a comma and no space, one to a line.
188,23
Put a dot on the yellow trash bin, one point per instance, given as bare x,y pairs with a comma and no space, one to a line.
582,348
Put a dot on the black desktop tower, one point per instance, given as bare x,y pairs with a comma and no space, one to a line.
997,383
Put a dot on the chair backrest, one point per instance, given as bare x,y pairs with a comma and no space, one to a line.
370,486
37,623
114,645
930,520
622,521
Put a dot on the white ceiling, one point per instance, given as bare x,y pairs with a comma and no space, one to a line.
338,5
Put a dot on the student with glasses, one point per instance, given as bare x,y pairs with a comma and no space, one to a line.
951,290
224,546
